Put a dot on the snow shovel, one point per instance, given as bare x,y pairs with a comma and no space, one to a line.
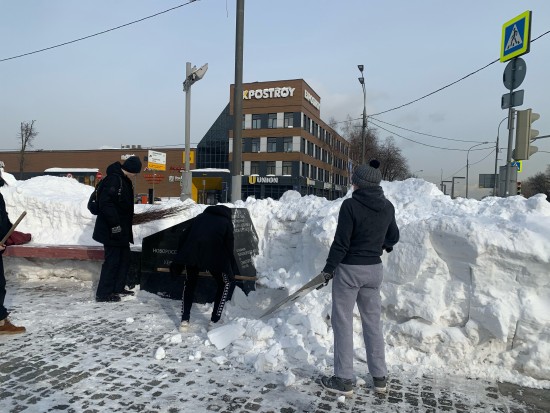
316,283
3,241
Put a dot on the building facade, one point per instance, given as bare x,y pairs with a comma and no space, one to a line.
285,144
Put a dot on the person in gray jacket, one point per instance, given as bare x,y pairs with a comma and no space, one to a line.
366,227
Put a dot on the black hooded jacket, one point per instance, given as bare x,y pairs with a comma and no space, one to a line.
5,223
209,242
115,209
366,223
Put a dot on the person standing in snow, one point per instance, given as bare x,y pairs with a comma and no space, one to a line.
366,227
207,244
113,228
6,327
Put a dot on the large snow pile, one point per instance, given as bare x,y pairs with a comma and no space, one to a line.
466,289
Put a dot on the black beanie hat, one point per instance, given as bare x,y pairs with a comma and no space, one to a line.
132,165
367,175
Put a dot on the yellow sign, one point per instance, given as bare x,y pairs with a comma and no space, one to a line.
156,161
191,157
516,37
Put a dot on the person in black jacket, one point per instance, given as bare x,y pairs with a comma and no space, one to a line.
366,227
207,244
113,228
6,327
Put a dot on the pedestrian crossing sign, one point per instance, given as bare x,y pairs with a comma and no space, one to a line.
516,37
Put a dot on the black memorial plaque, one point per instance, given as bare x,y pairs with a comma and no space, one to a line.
246,241
160,249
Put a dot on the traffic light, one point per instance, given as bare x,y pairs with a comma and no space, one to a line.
524,134
518,188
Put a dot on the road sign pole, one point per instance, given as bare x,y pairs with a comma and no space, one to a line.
511,118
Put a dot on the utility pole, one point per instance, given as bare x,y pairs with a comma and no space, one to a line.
192,75
236,177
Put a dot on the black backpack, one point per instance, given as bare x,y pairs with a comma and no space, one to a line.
93,202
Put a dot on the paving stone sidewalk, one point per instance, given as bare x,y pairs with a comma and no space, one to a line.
83,357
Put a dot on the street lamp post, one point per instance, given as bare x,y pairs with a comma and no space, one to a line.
364,126
192,75
468,165
496,157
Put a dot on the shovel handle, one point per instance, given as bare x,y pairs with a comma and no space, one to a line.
3,242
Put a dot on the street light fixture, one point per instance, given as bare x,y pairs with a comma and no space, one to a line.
468,165
192,75
364,126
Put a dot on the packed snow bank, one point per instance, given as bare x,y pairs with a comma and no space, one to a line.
466,289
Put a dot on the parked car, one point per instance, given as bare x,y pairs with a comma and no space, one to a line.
144,199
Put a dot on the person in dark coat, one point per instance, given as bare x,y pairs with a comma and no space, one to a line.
366,227
6,327
207,244
113,228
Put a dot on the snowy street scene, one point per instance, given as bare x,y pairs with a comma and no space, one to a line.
465,309
274,206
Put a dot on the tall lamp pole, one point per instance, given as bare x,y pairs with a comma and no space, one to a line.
192,75
364,126
496,157
468,165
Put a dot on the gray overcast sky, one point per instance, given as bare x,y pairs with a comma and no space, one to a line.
125,86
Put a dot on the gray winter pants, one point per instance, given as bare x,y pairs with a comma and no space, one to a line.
361,284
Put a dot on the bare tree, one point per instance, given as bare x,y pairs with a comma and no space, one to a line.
26,137
393,164
537,184
351,131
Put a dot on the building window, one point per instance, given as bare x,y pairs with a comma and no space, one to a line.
256,122
305,170
243,126
287,168
255,145
254,168
289,120
272,144
270,170
287,144
272,120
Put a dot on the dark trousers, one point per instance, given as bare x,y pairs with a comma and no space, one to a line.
3,311
114,270
223,292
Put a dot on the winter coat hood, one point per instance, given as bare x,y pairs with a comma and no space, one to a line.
372,197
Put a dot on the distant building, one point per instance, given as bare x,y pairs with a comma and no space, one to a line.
285,143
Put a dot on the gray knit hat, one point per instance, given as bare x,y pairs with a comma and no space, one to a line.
366,176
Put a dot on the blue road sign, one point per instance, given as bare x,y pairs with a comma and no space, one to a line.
516,37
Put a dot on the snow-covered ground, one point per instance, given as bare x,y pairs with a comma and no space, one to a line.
467,289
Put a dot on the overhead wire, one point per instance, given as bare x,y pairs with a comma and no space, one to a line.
99,33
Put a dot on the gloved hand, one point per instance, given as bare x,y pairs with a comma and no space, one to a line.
116,233
327,276
387,249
